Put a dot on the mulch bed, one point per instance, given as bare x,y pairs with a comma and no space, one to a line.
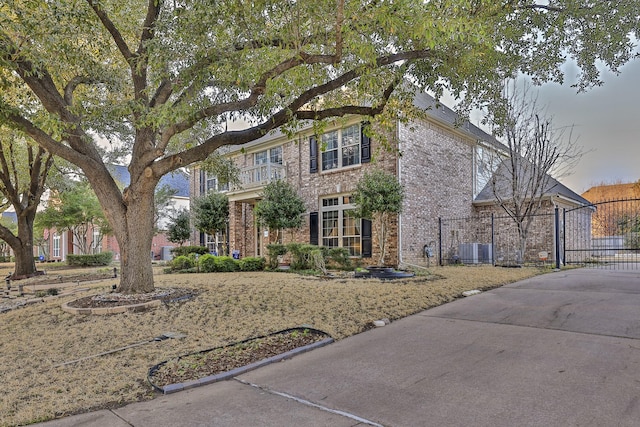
115,299
224,359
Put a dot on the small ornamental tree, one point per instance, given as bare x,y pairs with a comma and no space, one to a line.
379,197
76,209
211,213
535,150
280,208
179,229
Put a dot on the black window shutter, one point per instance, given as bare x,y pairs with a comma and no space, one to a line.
202,242
313,154
365,145
203,182
313,228
366,238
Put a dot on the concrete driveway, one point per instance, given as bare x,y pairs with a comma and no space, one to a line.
562,349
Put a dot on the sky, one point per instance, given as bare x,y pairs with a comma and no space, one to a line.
606,123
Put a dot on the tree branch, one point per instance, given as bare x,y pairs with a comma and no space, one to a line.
72,86
111,28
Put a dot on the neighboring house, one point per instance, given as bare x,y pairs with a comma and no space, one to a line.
611,192
62,244
439,161
616,223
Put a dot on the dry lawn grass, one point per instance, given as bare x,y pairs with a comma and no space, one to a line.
231,307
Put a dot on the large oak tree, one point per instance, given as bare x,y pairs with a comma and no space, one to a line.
164,78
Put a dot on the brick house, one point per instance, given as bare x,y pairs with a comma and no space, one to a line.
438,162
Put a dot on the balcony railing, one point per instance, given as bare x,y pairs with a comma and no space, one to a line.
258,176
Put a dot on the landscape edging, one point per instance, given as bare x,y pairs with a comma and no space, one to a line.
222,376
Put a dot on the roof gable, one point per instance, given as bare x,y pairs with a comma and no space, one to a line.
446,115
501,178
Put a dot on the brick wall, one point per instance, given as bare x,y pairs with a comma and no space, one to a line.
313,187
436,169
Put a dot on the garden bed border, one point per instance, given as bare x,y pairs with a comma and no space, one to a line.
222,376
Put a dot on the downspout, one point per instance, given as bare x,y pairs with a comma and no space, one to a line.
399,169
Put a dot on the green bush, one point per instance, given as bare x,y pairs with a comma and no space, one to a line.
182,263
103,258
251,264
301,255
275,250
339,257
225,264
186,250
207,263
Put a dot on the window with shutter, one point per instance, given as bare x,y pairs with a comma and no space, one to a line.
366,239
338,226
313,228
365,146
313,154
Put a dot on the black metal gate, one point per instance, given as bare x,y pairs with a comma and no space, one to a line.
605,234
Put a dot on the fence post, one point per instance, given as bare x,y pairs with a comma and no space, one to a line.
557,230
440,241
564,236
493,246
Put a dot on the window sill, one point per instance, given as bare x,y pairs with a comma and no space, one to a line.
343,169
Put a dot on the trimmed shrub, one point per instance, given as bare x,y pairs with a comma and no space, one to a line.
251,264
301,255
186,250
207,263
103,258
182,262
340,258
225,263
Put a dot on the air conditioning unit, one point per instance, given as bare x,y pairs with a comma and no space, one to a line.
475,253
166,254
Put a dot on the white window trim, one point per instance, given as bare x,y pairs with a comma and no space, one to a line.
55,251
341,207
216,184
339,148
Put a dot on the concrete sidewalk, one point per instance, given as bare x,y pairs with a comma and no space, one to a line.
562,349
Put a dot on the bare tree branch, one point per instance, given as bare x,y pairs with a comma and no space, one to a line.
523,181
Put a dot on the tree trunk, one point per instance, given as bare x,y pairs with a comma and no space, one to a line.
382,220
25,265
522,235
135,238
135,250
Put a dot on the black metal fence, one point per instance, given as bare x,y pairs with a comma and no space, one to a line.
614,234
605,234
494,239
